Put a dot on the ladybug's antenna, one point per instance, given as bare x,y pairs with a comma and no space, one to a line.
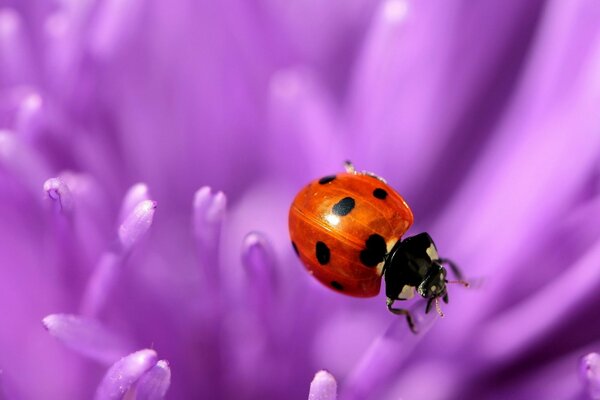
438,308
459,281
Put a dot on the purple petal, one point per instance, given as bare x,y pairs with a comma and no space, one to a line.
124,373
302,116
135,195
15,59
387,353
7,388
590,372
115,23
87,337
323,387
101,283
499,337
29,116
59,194
22,161
257,258
209,211
137,223
153,385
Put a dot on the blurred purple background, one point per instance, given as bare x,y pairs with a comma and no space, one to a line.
484,115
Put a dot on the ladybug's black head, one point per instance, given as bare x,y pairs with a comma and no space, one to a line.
434,283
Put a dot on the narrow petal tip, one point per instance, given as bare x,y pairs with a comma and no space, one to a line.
59,194
154,384
590,372
209,211
209,207
85,336
137,223
124,373
323,387
135,195
256,253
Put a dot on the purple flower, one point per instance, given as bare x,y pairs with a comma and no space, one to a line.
149,152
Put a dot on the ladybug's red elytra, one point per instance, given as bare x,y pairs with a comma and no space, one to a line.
347,230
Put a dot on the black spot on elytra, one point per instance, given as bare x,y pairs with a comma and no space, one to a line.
374,252
380,193
295,249
344,206
326,179
337,285
323,253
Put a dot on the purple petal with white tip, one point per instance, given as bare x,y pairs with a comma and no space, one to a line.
323,387
257,258
59,194
137,223
590,372
209,211
135,195
124,373
153,385
87,337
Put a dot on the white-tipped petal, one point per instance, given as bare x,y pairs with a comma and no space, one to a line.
124,373
86,336
323,387
137,223
209,210
590,372
135,195
59,194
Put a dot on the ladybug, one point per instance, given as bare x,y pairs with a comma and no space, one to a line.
347,230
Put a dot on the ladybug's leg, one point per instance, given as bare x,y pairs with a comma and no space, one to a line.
445,298
402,311
428,307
